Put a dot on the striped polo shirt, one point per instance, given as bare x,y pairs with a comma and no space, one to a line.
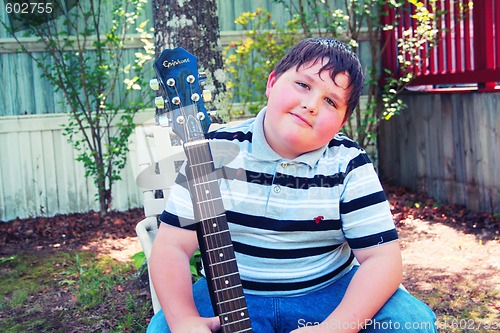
295,222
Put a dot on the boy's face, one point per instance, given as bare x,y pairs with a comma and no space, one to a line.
305,109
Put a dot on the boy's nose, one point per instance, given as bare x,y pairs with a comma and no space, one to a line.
311,105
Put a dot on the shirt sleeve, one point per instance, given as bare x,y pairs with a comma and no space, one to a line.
364,209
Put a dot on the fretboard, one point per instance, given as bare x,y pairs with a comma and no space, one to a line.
215,242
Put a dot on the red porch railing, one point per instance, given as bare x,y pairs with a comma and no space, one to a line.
467,50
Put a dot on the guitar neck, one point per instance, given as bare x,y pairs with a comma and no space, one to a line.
214,238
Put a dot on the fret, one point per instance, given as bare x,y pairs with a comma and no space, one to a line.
208,201
235,322
228,288
214,217
216,233
222,262
234,311
212,181
224,276
203,163
219,248
230,300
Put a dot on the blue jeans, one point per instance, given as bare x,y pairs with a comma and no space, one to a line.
401,313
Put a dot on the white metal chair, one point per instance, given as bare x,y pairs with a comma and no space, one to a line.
156,157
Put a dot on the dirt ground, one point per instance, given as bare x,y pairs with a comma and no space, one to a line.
445,248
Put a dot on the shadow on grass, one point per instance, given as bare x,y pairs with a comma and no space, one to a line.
462,302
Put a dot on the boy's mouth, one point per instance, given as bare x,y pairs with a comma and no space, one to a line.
301,120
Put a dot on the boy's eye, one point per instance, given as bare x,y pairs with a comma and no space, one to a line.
302,84
331,102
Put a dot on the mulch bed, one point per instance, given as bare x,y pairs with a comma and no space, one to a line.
72,230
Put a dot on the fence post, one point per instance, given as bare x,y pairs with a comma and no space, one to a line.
484,44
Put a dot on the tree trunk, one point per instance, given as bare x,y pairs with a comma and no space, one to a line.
194,26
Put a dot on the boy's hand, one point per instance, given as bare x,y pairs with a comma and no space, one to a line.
198,325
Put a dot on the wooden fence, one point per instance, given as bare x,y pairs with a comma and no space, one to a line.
447,145
40,177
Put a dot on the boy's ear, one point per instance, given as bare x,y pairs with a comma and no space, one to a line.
270,82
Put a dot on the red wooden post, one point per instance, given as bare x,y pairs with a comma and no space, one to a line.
458,18
497,33
449,67
467,38
440,47
432,54
484,51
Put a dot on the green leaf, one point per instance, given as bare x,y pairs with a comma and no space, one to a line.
139,259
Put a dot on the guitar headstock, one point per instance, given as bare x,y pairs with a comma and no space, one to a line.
178,78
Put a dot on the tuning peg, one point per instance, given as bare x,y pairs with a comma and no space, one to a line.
195,97
160,102
181,120
207,95
154,84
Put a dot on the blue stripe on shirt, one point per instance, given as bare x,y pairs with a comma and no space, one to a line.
267,223
372,240
362,202
262,252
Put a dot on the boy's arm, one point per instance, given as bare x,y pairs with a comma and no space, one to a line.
171,276
378,277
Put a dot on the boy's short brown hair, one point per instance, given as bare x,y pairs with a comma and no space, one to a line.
340,59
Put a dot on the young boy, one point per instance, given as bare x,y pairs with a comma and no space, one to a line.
315,243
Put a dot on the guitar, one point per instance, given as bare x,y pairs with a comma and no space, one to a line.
177,75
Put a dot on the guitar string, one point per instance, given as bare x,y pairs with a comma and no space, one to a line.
211,209
219,238
212,212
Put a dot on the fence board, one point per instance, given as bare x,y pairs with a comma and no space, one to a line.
27,184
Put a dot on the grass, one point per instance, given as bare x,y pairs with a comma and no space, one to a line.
57,292
463,306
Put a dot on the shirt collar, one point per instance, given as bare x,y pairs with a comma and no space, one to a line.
262,150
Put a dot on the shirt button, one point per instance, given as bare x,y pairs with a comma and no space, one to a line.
284,165
277,189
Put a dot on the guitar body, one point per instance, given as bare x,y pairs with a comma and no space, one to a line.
178,77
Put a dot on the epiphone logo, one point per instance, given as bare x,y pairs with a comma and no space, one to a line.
173,63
